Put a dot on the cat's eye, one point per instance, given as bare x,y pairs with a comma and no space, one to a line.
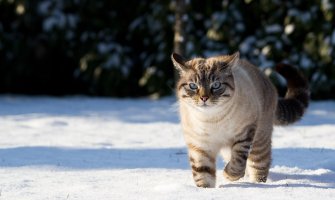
216,85
193,86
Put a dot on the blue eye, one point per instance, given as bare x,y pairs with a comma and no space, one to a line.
193,86
216,85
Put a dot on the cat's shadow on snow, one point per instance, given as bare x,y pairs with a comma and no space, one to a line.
174,158
325,180
300,164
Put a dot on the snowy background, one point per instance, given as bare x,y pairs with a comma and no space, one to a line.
101,148
95,148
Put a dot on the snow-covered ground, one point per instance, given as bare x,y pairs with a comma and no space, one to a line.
90,148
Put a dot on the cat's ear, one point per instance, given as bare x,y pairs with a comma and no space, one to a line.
178,62
228,62
233,59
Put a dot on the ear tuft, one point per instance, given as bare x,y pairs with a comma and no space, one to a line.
233,60
178,61
236,55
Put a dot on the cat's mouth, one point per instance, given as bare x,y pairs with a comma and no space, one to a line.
204,105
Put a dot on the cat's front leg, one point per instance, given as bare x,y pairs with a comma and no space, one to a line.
203,166
235,169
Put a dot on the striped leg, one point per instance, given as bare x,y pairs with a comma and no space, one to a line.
235,169
259,160
203,166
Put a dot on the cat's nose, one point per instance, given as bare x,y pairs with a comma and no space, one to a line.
204,98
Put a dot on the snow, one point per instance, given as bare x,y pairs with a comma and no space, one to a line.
274,28
247,44
54,17
289,28
303,16
56,20
44,7
326,5
99,148
305,61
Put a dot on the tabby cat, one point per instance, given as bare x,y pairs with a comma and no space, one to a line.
229,106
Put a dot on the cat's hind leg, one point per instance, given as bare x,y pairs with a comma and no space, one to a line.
259,160
203,166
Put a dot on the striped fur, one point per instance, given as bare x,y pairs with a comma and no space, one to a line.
293,106
227,105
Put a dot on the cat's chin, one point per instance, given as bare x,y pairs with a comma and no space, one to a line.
203,105
206,106
208,109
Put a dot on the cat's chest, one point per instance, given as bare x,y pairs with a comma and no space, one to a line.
215,128
219,124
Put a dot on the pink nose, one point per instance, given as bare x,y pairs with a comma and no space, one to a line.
204,98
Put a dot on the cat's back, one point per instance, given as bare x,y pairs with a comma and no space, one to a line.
256,84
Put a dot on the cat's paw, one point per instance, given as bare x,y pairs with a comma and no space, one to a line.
232,176
204,185
258,178
205,182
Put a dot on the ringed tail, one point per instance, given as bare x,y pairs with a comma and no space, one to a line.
293,106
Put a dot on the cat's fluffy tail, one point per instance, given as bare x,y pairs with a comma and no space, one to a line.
292,107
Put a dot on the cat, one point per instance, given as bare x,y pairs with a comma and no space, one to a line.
228,106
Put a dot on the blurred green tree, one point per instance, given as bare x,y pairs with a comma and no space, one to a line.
123,48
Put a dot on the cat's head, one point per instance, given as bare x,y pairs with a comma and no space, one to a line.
205,83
